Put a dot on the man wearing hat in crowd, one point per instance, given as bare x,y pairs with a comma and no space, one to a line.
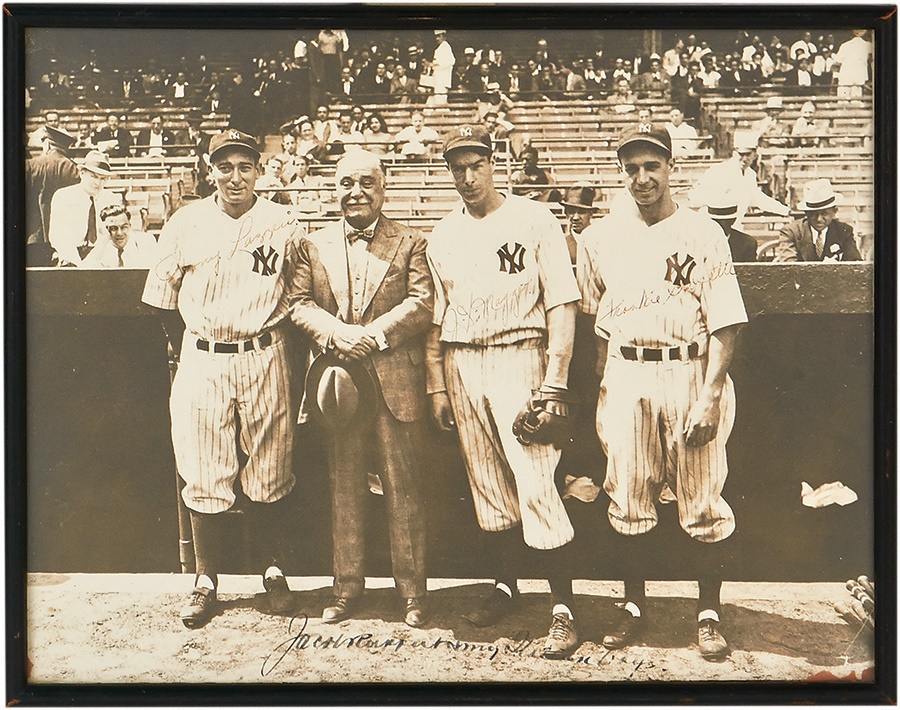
364,296
653,83
485,365
74,210
769,129
37,136
661,285
118,246
112,138
578,206
44,175
819,235
724,212
227,264
736,177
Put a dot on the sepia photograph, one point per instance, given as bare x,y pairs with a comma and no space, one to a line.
528,354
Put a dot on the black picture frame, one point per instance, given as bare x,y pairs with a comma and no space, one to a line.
19,17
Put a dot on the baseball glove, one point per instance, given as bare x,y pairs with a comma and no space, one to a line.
860,609
547,418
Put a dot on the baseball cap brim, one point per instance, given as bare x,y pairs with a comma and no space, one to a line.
644,138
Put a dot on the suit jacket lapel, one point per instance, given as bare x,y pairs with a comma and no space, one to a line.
382,250
333,255
806,246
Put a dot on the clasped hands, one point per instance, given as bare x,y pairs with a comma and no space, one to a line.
352,342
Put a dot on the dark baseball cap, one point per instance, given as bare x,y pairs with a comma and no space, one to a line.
471,136
232,138
59,137
658,138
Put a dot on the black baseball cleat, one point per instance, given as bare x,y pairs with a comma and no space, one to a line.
562,639
200,609
493,608
340,608
713,646
415,612
278,597
624,629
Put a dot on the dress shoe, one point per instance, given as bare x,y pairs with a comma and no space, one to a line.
493,608
624,629
562,638
279,599
200,608
416,613
713,646
339,609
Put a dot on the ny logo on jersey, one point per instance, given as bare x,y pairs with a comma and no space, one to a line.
679,272
513,262
264,263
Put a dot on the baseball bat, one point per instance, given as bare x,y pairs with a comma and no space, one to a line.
185,533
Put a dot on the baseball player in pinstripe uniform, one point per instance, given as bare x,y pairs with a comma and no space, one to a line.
505,304
226,266
662,287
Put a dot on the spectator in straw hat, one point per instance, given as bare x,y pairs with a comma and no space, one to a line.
365,297
723,212
74,210
818,236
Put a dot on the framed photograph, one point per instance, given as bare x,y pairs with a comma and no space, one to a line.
492,354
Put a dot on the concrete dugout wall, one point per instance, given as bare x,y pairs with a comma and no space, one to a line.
102,487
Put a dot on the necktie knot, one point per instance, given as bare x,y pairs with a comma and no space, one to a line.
364,234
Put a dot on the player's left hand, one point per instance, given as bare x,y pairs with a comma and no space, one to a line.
702,421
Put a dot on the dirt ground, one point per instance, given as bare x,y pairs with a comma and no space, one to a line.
125,628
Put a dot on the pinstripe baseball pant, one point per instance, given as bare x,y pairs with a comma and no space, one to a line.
488,386
211,391
640,421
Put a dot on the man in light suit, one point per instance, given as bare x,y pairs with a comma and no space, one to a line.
366,297
818,236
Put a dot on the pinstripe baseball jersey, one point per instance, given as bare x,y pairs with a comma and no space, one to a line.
228,277
496,277
664,285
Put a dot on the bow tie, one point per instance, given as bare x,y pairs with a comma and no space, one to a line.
364,234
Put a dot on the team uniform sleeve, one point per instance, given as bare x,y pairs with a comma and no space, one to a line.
554,263
164,277
720,296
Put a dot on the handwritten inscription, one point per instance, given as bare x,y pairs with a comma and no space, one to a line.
616,308
302,641
494,313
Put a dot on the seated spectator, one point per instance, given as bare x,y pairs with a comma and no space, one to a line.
74,210
654,82
683,135
323,125
783,68
358,114
346,83
378,138
343,137
519,81
214,104
576,86
770,130
181,90
36,137
273,177
288,155
594,77
709,72
737,178
620,71
723,211
113,139
307,200
822,66
645,120
308,145
818,236
118,246
802,76
403,86
671,59
805,125
153,142
550,85
733,76
527,179
623,98
83,140
803,47
417,140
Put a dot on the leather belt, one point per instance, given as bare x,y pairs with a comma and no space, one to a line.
690,352
262,341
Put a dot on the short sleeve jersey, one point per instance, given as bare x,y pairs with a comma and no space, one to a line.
496,277
668,284
229,278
